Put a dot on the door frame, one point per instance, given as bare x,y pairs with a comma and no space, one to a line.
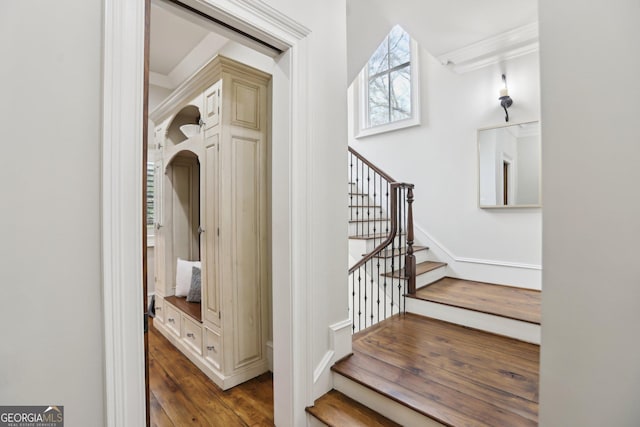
122,124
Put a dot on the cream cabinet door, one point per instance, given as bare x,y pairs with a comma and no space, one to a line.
212,105
211,270
158,232
246,209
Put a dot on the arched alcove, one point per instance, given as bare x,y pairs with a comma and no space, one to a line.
182,211
189,115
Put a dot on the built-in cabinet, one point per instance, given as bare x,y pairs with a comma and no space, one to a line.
211,136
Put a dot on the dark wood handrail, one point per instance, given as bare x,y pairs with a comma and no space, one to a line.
394,223
393,208
367,179
372,166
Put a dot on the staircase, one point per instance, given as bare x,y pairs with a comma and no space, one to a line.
428,349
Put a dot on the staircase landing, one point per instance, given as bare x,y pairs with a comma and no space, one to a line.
450,374
505,301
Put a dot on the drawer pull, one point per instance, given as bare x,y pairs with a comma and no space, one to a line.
172,320
190,335
211,348
158,308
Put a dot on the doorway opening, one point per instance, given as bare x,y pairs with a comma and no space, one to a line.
185,219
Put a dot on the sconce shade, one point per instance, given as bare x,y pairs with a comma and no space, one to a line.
505,99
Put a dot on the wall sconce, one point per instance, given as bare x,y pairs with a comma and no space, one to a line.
505,99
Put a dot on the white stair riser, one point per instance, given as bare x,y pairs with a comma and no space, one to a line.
366,212
381,404
523,331
314,422
357,248
429,277
371,244
421,256
364,246
369,227
367,200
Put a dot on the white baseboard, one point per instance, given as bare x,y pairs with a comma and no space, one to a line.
270,354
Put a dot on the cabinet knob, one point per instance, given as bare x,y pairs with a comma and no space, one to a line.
171,320
190,335
211,348
158,308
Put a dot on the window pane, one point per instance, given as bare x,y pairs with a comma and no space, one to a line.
379,100
400,101
399,47
379,60
150,193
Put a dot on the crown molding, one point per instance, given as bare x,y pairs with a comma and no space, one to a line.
161,80
502,47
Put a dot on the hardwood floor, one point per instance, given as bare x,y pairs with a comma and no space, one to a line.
181,395
505,301
455,375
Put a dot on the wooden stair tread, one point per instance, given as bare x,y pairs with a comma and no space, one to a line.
505,301
423,267
455,375
337,410
387,253
376,219
373,236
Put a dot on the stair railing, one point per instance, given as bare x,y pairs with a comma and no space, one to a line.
381,212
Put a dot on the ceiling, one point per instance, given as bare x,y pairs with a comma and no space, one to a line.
439,26
174,40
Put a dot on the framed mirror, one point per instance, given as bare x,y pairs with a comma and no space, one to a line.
509,166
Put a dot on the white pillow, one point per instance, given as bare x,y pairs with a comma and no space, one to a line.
184,270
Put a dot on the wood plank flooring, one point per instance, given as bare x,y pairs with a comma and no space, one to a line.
505,301
337,410
455,375
181,395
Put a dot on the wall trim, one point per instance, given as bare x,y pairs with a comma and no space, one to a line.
340,340
499,48
121,206
123,54
476,260
323,366
523,275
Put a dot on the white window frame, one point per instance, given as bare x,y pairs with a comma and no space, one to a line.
361,104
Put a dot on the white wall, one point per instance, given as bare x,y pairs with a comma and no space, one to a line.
51,321
326,284
440,158
590,375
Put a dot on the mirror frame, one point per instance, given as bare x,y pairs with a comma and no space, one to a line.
530,206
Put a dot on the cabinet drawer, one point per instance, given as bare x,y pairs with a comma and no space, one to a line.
212,348
172,319
160,308
192,333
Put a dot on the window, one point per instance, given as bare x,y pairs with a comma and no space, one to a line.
150,199
388,86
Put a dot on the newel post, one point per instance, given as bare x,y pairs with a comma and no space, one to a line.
410,259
